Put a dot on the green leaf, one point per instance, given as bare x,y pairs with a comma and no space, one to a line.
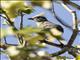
12,7
78,57
1,11
3,33
35,39
61,57
28,30
37,2
5,22
27,10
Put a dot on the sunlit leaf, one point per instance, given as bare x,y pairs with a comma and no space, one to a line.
1,11
12,7
12,51
5,22
9,31
27,10
35,39
44,3
2,33
41,45
29,30
78,57
61,57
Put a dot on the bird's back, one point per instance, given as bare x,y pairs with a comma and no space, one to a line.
46,25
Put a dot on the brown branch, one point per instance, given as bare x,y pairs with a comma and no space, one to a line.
5,40
59,19
75,32
52,44
74,5
68,2
74,51
3,17
21,23
59,52
75,22
3,46
12,24
21,27
8,43
73,13
8,19
75,27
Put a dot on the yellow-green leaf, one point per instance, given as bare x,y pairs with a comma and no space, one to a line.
35,39
27,10
78,57
29,30
12,7
2,33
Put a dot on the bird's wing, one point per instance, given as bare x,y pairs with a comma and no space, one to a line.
47,24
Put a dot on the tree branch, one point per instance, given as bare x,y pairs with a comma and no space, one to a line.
59,19
73,13
12,24
69,2
74,51
5,40
75,32
52,44
21,23
3,17
74,5
59,52
75,22
21,27
8,19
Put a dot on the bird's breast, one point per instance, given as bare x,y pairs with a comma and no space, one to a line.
49,37
55,32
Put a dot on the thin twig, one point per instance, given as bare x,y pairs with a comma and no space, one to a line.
3,46
62,21
3,17
69,2
74,5
59,52
52,44
5,40
8,43
8,19
74,51
73,37
59,19
75,22
73,13
20,37
75,31
21,27
12,24
21,23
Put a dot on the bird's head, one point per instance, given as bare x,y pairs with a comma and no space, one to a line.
38,18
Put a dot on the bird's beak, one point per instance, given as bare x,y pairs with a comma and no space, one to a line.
31,18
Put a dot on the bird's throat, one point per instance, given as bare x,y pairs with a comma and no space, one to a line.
38,24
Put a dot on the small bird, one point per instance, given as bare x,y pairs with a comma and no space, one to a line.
53,31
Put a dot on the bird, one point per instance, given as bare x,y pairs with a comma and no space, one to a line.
53,31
